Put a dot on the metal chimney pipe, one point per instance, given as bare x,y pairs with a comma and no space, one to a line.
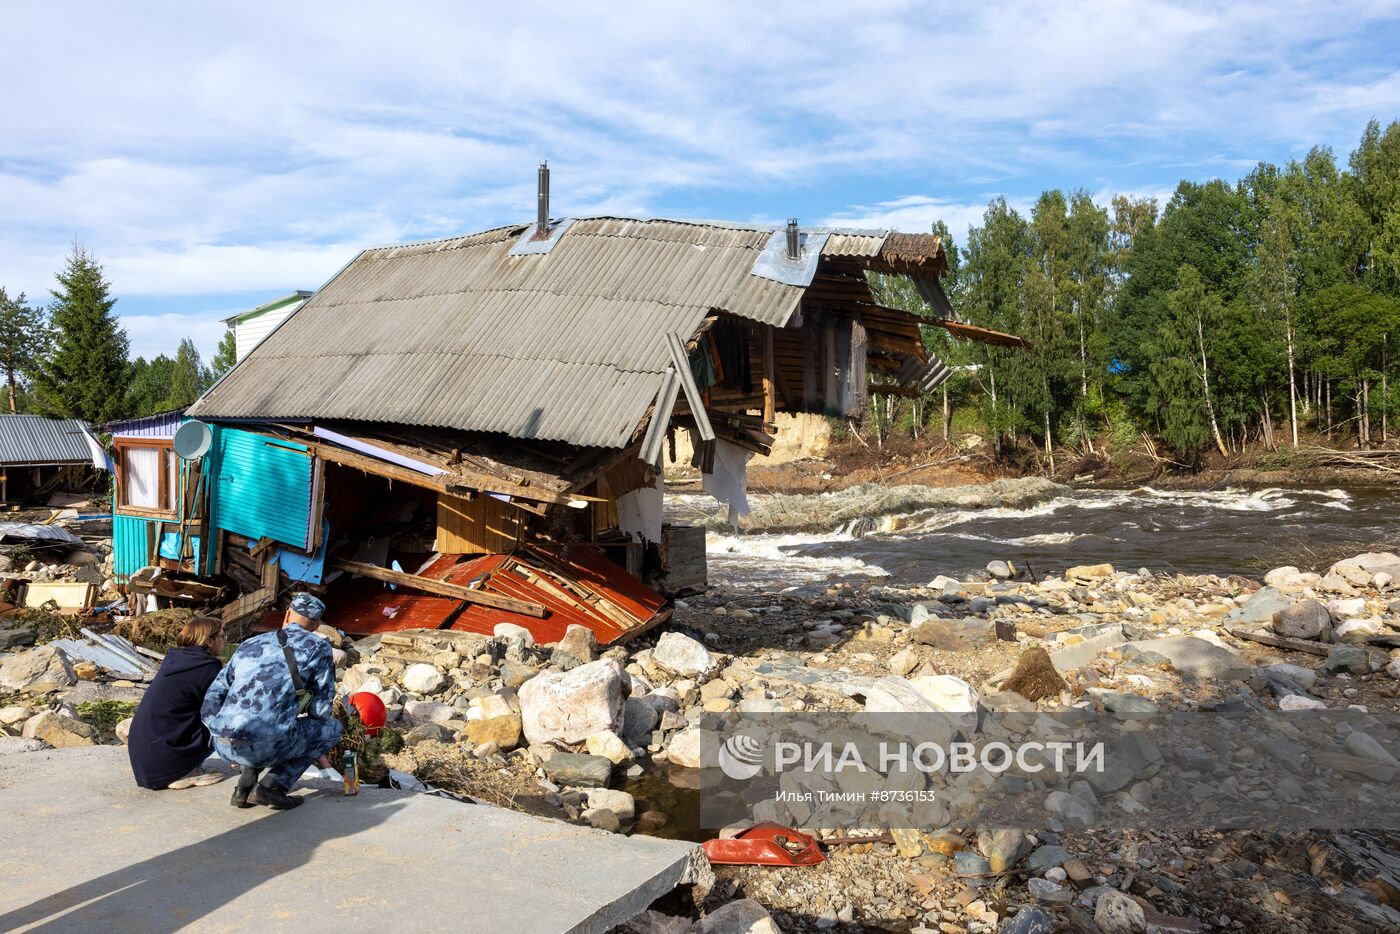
542,212
794,240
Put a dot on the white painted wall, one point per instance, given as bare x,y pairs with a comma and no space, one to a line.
249,331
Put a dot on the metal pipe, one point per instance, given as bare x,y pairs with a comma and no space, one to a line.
542,213
794,240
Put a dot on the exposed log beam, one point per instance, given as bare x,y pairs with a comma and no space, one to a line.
440,588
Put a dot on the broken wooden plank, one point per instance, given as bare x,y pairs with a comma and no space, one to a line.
457,481
247,605
1279,642
66,596
440,588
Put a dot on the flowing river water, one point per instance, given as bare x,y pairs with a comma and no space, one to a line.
1223,531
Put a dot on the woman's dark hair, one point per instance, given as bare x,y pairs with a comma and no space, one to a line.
200,631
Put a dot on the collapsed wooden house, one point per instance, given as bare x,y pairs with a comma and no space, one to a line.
467,431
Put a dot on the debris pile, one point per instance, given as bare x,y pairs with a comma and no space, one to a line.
595,735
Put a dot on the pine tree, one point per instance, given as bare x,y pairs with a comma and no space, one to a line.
224,357
86,374
23,335
150,385
188,378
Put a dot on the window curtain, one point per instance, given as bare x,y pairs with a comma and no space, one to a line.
141,485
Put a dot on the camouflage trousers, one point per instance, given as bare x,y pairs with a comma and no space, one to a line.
284,756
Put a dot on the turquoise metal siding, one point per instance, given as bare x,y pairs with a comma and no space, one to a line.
262,487
128,545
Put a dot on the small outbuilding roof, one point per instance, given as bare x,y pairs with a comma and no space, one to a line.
35,440
560,339
297,296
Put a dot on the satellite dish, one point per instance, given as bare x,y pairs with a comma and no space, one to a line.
192,440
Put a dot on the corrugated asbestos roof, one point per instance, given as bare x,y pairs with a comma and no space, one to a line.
33,439
561,346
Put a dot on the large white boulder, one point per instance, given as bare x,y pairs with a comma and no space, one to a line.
682,655
947,693
423,678
571,706
684,748
1360,569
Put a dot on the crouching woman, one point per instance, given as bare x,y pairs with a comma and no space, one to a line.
168,741
270,710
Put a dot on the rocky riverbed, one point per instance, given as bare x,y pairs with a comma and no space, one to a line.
597,736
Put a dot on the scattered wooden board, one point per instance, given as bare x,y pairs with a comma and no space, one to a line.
441,588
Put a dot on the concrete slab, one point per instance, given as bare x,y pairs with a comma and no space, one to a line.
82,848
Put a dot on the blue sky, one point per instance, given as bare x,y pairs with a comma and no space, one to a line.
214,158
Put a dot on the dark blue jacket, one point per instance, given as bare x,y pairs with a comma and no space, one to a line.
167,738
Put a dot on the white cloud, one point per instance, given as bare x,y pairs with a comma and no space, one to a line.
918,213
204,148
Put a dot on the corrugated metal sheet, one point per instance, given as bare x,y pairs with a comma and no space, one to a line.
33,439
109,651
564,346
262,487
160,425
129,544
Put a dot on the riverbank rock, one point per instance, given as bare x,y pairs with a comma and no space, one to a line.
1290,578
423,678
610,746
684,749
955,635
1260,608
15,637
1116,913
572,706
744,916
502,730
638,720
947,693
37,671
1359,570
682,655
59,731
1353,659
1029,920
1191,657
1003,848
578,770
508,632
1034,676
1089,573
1306,619
578,647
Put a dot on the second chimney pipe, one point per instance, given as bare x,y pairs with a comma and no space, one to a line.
794,240
542,213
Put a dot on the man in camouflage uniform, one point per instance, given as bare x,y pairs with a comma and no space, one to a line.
251,708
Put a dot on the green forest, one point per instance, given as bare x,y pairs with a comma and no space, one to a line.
70,358
1240,315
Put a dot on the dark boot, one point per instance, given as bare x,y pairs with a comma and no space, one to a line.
274,797
247,779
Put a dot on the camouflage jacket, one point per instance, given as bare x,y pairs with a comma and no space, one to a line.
253,696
